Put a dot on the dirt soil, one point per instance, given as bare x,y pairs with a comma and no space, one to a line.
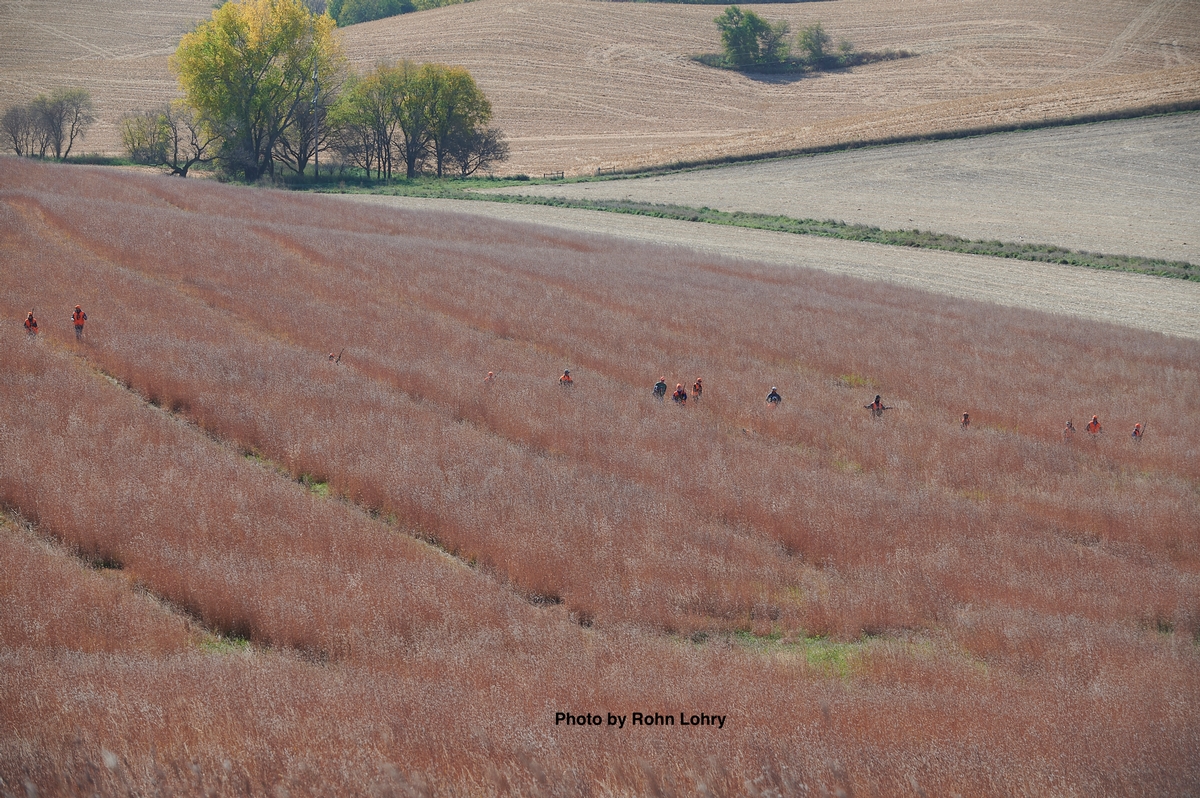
578,84
1133,300
116,49
582,84
1127,187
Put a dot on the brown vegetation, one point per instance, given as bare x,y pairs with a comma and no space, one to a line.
1013,612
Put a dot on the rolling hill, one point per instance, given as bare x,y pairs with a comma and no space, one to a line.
579,84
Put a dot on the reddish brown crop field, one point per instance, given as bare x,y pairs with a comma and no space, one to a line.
999,611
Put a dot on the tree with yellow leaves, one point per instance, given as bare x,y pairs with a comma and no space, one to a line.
252,71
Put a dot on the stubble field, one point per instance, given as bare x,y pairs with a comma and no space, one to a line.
873,605
1129,187
578,84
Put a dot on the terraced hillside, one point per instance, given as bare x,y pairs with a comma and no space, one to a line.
579,84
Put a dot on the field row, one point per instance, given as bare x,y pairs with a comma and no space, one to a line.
989,590
1123,187
444,673
605,487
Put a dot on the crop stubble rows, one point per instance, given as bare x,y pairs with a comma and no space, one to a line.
1127,187
579,84
221,304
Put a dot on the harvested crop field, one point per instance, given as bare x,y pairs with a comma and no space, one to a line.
241,566
1131,300
578,84
1129,187
115,49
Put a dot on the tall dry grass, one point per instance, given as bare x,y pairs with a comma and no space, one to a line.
1035,603
602,485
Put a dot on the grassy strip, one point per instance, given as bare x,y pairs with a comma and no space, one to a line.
921,239
1043,253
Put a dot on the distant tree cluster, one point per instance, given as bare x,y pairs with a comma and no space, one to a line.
50,125
750,42
351,12
266,84
416,116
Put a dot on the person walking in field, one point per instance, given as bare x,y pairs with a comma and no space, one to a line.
680,395
697,389
1136,435
78,317
1093,427
565,380
966,421
877,407
489,380
773,398
1068,431
660,388
31,325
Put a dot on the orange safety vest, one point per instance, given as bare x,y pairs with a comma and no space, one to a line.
31,325
1093,427
79,317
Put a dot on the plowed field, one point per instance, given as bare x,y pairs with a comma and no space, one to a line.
1128,187
579,84
116,50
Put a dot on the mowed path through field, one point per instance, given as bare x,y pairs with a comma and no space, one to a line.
1129,187
1134,300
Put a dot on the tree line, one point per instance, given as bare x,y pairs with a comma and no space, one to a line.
268,85
266,88
50,124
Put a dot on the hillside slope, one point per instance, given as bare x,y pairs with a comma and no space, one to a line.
1129,186
117,50
579,84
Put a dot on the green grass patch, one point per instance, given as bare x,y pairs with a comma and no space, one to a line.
855,381
819,653
216,644
315,486
916,239
355,181
844,466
